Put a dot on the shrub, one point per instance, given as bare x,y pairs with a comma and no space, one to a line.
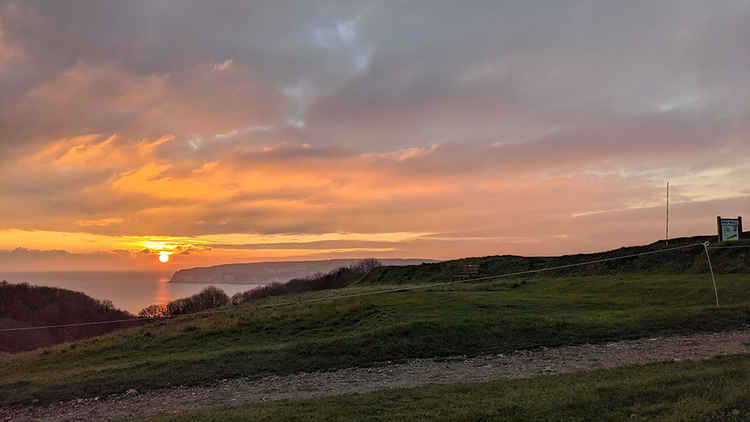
209,298
336,279
153,311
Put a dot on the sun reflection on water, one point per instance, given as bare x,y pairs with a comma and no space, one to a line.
162,296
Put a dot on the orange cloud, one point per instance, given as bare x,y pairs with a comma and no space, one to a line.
101,222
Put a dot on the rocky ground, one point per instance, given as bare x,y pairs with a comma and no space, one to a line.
521,364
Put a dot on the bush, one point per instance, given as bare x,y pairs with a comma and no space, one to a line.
335,279
153,311
209,298
212,297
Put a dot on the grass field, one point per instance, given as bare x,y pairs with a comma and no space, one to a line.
711,390
688,258
254,340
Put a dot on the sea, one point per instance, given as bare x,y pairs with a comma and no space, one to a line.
128,290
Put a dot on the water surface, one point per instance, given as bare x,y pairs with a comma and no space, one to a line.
128,290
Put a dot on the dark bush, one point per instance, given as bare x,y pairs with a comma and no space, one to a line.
209,298
153,311
335,279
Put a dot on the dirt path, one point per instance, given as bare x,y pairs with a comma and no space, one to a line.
521,364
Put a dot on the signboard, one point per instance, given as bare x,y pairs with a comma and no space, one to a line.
730,229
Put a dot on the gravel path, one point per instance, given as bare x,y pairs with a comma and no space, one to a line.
521,364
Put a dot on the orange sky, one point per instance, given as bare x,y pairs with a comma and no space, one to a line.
358,129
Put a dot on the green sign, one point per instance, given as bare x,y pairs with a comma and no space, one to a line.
730,229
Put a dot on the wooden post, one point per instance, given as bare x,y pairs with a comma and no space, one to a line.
711,268
718,228
739,228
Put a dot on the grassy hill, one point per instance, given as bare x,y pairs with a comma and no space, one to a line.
690,260
311,332
24,305
370,323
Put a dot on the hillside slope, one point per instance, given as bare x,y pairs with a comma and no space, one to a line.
312,331
365,324
24,305
690,260
210,400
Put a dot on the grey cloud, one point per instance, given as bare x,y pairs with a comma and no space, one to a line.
562,64
505,90
22,259
552,58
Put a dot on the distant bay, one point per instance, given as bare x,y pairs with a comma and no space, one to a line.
128,290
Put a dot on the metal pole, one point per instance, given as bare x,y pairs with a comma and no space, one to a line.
666,234
713,278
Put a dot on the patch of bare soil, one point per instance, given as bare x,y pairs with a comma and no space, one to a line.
520,364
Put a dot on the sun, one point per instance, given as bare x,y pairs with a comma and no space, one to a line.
164,257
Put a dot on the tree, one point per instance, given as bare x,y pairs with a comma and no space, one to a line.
153,311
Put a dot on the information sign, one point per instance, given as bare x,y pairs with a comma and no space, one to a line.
730,229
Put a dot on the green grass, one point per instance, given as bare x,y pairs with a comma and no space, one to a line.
252,340
716,389
690,258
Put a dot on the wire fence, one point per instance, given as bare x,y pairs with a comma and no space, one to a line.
77,324
705,245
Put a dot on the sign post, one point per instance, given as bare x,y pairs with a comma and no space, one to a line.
730,229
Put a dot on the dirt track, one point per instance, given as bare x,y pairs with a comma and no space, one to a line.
521,364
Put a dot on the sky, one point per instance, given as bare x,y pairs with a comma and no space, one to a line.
244,131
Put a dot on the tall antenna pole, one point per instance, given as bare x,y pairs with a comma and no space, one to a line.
666,234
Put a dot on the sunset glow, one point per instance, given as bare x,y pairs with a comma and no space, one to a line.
358,129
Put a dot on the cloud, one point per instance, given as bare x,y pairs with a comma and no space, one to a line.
142,118
226,64
22,259
101,222
9,54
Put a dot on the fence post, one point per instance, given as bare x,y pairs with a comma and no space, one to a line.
710,268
